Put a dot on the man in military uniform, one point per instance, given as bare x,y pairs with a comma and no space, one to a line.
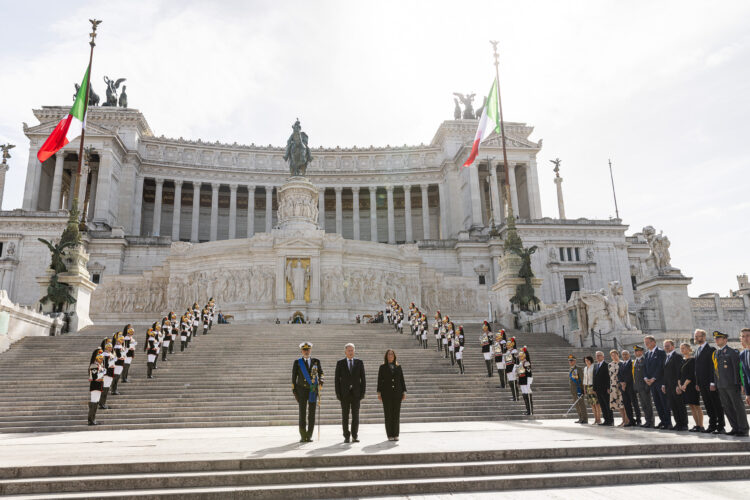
575,376
307,381
641,389
745,362
727,365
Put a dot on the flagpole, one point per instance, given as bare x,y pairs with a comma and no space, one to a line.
614,195
512,239
92,43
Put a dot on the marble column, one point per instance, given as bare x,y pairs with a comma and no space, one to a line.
85,168
214,211
137,202
177,209
443,200
250,211
513,189
391,216
339,210
196,217
33,173
407,214
560,203
103,183
494,194
373,213
355,212
3,169
535,201
93,202
322,208
232,211
54,202
156,227
425,211
476,199
269,208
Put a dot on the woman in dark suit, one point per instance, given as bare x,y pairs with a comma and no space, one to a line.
391,391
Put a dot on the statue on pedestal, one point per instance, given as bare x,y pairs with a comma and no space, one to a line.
297,152
659,244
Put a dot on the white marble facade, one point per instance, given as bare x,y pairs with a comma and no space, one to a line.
148,197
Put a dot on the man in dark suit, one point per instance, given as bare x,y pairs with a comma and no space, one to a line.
745,362
653,376
727,362
625,376
350,390
671,380
601,388
705,383
307,381
641,388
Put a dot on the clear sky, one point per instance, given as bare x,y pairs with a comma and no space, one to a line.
660,87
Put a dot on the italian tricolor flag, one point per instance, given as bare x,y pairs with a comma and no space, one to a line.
69,127
489,116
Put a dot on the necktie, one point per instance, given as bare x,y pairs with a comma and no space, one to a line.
351,362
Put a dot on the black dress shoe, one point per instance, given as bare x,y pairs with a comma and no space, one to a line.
582,422
93,423
647,425
680,428
302,440
346,439
668,427
742,434
696,429
355,440
116,393
732,433
710,429
719,430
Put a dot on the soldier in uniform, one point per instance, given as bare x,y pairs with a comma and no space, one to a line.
575,375
450,334
458,346
727,366
511,358
166,328
485,341
499,346
642,391
307,381
525,378
151,352
129,344
109,366
436,331
96,385
119,355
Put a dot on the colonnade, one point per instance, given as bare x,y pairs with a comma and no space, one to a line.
158,229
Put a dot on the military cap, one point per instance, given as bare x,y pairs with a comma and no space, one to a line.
637,348
571,357
718,334
305,345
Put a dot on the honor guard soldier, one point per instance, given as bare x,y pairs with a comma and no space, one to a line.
450,334
175,329
205,321
151,352
109,366
485,341
458,346
511,359
119,355
184,332
423,330
575,376
728,382
525,379
196,320
307,381
436,331
166,328
129,344
498,351
96,385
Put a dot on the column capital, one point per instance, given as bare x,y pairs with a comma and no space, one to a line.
159,181
178,182
355,190
373,189
269,189
215,186
389,188
424,187
321,189
338,189
61,153
196,185
407,188
233,187
251,188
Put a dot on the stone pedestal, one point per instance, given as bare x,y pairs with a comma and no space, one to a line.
81,287
669,293
298,205
505,287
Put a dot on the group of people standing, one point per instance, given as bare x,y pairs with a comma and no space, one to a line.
350,384
513,365
670,379
110,362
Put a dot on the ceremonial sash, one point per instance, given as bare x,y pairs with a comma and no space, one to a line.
575,379
312,397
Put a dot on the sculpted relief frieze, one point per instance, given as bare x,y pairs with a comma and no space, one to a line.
254,285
